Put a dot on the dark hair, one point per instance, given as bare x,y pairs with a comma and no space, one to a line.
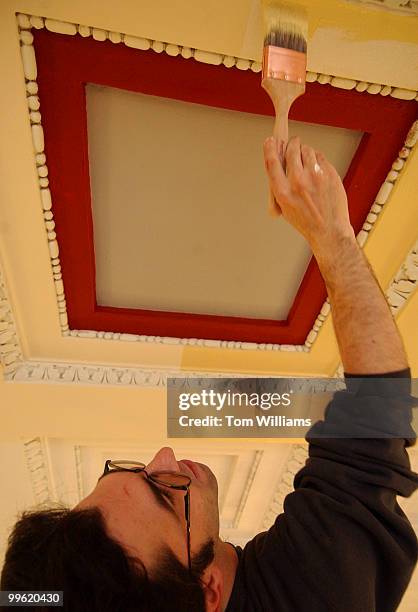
70,551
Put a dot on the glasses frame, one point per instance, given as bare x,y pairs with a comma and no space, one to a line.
112,466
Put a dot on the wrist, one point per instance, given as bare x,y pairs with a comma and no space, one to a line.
334,252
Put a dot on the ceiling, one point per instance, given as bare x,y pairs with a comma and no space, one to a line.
75,396
155,264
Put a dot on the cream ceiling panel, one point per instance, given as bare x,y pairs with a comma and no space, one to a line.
190,178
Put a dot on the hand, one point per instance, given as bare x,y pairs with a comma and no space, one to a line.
309,192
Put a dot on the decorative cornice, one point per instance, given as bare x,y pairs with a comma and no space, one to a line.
247,488
295,462
37,467
10,350
75,373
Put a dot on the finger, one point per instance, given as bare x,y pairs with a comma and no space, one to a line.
274,167
293,156
308,158
322,160
274,208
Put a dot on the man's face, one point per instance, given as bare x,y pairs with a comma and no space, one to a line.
145,517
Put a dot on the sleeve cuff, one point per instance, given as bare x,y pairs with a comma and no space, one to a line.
380,384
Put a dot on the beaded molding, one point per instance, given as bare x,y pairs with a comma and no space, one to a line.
26,22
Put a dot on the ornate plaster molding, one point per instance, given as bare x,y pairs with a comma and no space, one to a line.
77,373
10,349
247,488
295,462
407,7
27,22
37,466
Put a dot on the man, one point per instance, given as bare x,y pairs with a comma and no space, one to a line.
342,544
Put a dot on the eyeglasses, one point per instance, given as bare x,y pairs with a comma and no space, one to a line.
172,480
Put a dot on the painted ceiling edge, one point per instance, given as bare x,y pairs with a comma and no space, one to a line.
33,102
30,70
26,22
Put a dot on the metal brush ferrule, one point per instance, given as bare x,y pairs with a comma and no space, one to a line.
284,64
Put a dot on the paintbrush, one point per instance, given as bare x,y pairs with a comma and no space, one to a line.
284,64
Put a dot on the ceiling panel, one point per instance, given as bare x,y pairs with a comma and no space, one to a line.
179,206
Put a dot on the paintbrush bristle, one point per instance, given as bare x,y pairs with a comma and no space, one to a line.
286,25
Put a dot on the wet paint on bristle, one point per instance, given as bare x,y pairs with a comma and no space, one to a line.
286,40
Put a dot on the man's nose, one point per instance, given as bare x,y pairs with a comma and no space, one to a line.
165,459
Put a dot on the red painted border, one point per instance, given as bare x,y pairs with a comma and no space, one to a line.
66,63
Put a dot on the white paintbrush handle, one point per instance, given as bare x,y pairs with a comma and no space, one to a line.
283,94
281,133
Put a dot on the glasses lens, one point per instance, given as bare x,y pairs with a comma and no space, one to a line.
173,479
127,465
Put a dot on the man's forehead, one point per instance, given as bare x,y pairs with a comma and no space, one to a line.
138,487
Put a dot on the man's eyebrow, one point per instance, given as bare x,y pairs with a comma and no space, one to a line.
160,497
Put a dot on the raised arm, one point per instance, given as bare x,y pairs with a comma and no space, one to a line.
312,198
342,542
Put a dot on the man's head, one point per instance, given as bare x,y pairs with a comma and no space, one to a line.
127,542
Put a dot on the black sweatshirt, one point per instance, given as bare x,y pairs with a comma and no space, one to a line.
343,544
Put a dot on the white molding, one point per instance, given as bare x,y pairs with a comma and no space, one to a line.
294,463
232,344
36,459
247,488
78,470
77,373
406,7
10,349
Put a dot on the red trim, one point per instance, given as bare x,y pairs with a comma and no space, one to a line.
66,63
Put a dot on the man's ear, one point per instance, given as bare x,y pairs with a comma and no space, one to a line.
213,584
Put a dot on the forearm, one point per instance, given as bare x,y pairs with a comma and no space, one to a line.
367,335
